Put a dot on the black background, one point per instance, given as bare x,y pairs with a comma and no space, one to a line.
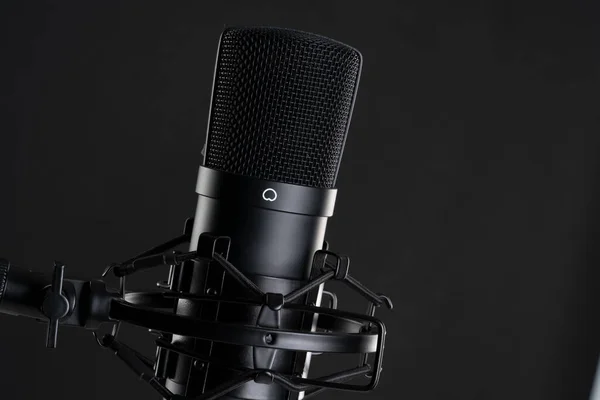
468,189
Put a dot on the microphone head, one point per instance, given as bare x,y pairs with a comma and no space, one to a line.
281,105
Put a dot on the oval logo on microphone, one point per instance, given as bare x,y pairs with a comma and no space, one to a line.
269,194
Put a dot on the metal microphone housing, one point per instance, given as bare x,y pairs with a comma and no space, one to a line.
281,107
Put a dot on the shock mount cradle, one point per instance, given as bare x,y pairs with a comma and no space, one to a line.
335,331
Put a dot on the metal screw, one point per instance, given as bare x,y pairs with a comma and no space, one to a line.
211,291
199,364
268,338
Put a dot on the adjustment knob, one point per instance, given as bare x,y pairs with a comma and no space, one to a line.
55,305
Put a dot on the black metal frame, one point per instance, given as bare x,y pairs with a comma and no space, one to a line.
337,331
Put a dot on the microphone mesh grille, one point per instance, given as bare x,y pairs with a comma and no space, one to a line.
281,106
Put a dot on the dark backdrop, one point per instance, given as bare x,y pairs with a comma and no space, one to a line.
468,189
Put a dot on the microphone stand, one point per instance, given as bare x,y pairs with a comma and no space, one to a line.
89,304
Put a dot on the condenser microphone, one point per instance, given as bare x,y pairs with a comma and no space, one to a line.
240,315
281,107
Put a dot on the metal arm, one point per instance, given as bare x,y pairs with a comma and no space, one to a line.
61,301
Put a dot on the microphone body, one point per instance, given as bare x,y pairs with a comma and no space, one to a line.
280,111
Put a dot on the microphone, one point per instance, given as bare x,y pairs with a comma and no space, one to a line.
281,106
240,315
